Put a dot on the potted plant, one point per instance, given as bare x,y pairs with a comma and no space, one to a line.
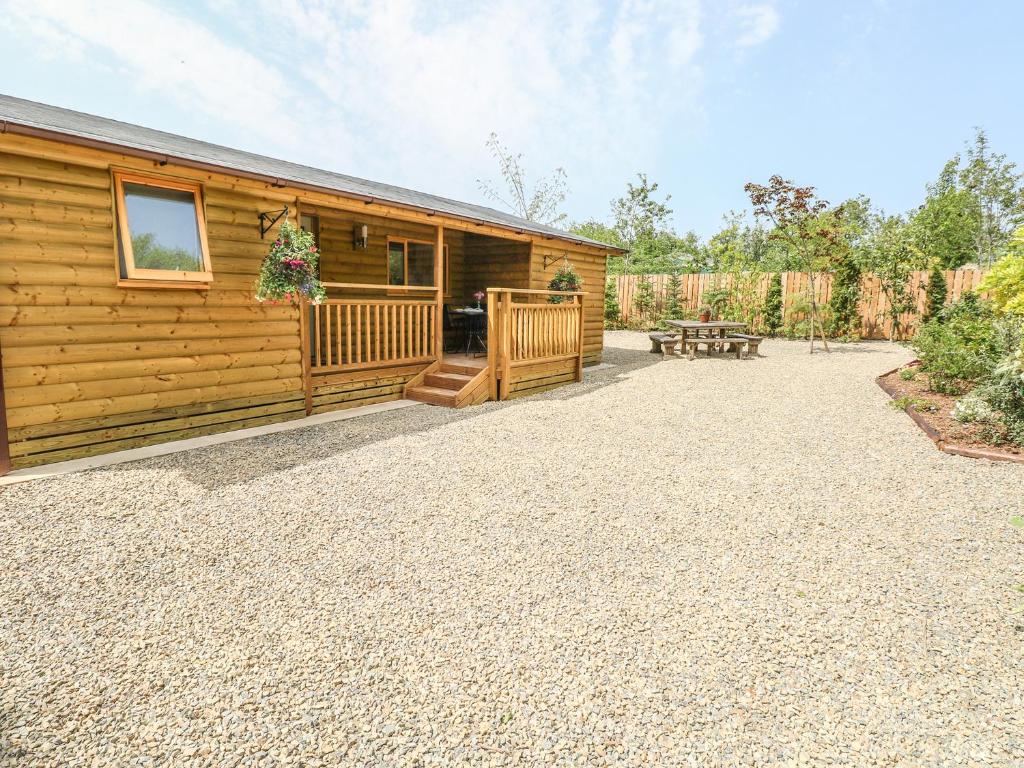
705,314
565,279
479,296
716,300
290,270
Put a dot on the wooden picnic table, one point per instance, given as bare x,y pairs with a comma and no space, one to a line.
712,327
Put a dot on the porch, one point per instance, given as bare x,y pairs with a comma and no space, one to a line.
384,328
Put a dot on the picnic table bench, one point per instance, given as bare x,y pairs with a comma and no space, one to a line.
717,335
665,343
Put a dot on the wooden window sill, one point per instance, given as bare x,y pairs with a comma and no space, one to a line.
195,285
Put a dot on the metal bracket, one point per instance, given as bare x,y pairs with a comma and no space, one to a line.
554,259
270,218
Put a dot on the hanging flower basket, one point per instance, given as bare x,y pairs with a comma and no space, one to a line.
290,270
565,279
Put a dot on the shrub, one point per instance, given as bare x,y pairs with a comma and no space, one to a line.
935,293
907,374
961,345
844,318
1004,391
1005,283
643,301
773,306
972,409
612,309
673,309
718,299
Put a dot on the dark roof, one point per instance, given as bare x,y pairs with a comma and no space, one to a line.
90,128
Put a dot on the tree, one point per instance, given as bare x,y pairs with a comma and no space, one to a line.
843,304
542,203
639,218
595,230
891,256
643,300
945,227
673,308
772,311
612,309
1005,283
935,293
999,190
807,224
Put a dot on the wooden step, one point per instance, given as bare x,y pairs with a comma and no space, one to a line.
445,380
468,370
432,395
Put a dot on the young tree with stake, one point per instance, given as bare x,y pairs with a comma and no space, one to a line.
807,224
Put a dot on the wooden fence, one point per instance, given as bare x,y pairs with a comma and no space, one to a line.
874,306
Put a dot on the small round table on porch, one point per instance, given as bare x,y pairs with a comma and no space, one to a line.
476,326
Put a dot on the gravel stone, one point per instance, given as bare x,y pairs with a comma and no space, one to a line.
716,562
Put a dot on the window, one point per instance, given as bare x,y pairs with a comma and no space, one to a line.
161,230
411,262
309,222
396,262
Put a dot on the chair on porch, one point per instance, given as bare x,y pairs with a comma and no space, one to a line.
453,327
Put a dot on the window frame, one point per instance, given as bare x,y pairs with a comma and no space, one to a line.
135,276
446,283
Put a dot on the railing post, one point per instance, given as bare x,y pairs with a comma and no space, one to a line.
493,339
506,343
439,284
304,342
579,340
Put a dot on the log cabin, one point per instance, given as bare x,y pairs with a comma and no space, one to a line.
105,347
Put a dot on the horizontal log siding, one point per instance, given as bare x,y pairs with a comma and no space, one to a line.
592,268
348,390
90,367
491,262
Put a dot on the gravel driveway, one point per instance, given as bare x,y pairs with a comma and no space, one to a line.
715,562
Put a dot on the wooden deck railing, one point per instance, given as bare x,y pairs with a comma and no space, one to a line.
353,333
529,332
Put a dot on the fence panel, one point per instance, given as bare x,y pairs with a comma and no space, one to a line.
875,320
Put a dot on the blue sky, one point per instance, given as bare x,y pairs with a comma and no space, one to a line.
702,95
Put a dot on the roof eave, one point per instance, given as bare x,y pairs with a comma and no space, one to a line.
53,134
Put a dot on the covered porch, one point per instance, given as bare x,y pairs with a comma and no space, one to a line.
395,289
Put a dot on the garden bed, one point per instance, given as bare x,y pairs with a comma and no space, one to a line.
932,412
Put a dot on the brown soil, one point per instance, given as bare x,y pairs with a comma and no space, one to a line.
936,409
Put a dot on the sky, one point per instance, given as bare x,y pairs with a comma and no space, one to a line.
852,97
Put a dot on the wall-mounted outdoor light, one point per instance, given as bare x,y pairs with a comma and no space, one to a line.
360,236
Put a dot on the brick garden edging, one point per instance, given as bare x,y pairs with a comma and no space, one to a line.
951,448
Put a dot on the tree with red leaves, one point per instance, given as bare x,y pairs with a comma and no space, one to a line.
807,224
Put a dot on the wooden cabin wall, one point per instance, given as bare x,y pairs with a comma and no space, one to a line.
491,262
591,265
342,262
90,367
456,242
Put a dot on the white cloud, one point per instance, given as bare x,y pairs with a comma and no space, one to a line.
161,52
407,91
758,24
